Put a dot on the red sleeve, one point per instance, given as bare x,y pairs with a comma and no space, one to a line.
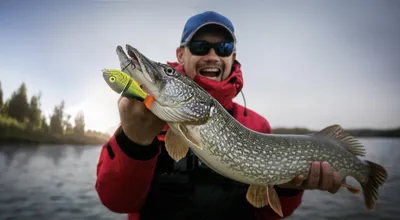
290,201
123,182
289,205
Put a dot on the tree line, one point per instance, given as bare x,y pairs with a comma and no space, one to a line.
21,119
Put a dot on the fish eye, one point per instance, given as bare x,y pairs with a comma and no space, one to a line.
112,79
169,70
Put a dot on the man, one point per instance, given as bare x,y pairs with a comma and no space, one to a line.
135,175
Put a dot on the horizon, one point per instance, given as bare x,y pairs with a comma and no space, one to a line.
339,60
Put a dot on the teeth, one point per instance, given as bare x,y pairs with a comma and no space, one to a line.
210,69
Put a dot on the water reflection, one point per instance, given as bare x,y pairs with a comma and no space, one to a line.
21,155
50,182
57,182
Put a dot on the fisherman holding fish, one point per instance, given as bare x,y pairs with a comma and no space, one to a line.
135,174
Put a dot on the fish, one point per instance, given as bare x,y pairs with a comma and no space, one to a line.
262,161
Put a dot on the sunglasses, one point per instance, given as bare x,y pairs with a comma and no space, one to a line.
202,48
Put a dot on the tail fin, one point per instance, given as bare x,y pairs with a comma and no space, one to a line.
377,176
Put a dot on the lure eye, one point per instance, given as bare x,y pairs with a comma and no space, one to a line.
112,79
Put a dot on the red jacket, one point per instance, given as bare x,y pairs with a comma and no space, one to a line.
123,183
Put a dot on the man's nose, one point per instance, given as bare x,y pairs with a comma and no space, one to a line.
211,55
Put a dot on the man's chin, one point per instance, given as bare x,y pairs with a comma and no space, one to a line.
215,78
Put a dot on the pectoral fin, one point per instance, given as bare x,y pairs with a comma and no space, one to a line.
192,137
273,200
175,146
257,196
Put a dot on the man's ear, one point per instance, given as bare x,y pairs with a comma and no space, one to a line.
234,56
179,55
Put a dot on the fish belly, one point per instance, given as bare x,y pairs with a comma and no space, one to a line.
221,166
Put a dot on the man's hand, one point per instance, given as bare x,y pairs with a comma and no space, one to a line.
320,177
139,124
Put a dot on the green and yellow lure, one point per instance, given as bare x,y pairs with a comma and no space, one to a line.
123,84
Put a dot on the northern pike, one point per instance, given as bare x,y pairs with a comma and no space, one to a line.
199,122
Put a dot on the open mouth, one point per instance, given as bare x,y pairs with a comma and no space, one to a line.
133,55
143,64
135,59
210,72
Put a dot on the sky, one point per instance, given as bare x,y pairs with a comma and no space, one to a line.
305,63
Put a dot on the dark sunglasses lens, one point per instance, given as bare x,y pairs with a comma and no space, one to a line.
199,48
224,49
202,48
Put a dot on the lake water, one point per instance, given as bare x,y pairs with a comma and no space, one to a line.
57,182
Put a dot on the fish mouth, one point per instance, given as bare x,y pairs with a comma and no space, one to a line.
175,100
148,74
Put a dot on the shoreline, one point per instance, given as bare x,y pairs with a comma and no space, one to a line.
36,138
13,142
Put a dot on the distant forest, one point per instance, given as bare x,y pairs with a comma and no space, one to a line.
22,121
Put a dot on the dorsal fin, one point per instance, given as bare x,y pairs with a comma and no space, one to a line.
347,141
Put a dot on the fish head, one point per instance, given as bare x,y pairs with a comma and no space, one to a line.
178,98
117,80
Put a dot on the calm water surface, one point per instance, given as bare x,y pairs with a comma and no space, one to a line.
57,182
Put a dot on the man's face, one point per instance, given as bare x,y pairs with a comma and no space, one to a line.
210,65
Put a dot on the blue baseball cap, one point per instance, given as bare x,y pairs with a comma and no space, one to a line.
198,21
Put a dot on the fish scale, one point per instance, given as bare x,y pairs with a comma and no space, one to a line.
247,154
198,121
